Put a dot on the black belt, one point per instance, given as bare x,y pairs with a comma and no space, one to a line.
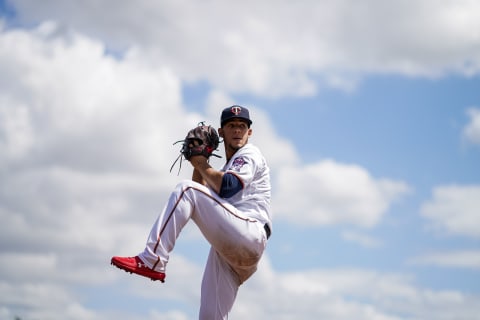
267,230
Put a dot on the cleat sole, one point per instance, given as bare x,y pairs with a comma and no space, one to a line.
128,271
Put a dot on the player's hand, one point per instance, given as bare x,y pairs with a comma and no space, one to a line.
197,159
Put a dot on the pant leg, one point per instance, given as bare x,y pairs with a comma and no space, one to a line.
219,288
166,229
237,243
240,240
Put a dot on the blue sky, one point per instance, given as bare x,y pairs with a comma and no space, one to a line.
368,113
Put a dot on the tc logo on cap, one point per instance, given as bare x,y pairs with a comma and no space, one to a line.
236,110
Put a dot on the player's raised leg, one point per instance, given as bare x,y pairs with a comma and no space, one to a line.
151,263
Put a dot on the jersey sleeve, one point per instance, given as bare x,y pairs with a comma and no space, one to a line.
242,166
231,184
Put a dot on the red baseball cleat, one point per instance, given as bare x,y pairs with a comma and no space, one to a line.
136,265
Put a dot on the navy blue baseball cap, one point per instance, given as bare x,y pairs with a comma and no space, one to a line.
235,112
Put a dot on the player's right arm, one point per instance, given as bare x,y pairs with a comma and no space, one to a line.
204,172
225,184
197,177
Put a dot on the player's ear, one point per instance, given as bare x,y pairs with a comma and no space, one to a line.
220,132
250,131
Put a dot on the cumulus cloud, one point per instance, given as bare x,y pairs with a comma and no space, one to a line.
40,287
328,192
321,294
454,209
286,51
70,94
472,130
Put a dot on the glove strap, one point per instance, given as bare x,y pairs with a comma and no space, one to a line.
180,157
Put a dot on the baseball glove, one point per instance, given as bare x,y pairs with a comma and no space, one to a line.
202,140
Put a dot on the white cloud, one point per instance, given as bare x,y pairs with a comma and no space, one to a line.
469,259
327,193
454,209
321,294
248,47
70,94
472,130
317,293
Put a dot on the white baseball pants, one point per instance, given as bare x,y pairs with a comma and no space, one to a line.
237,243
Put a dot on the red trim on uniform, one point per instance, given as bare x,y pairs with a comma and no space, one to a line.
175,207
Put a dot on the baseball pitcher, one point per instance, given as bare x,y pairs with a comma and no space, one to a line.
231,207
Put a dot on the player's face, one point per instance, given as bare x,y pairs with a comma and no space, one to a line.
235,134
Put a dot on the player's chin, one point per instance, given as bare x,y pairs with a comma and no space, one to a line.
240,144
236,146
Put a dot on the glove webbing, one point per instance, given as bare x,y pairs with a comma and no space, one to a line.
180,157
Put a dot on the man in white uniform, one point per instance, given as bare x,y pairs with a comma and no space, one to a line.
231,207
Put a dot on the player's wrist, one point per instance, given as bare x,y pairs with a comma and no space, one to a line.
199,161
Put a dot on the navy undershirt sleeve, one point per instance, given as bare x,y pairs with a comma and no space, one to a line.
231,184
